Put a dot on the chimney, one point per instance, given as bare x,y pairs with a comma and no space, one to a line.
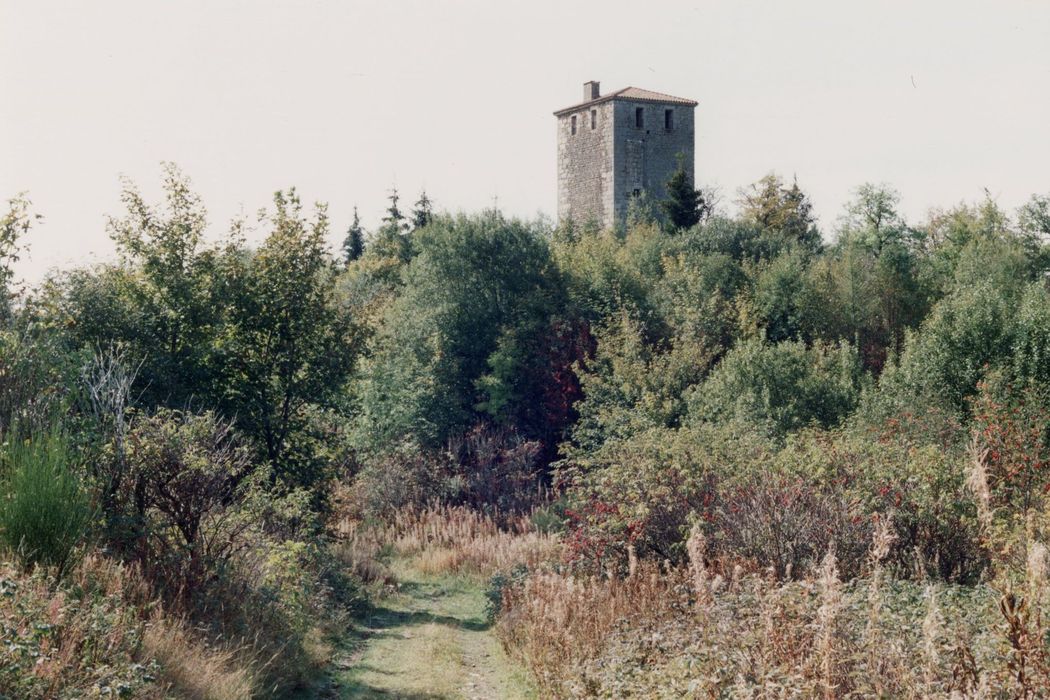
590,90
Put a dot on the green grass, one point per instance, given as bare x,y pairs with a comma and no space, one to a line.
430,639
44,509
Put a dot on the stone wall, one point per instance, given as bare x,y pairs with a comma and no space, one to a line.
599,169
646,157
585,165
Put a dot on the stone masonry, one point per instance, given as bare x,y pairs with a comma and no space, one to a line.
613,147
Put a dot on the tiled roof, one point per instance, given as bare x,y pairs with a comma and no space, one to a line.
631,93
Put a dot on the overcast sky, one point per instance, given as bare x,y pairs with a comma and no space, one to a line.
345,99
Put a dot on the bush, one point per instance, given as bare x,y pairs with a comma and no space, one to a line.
645,491
81,640
495,469
498,584
781,388
44,511
402,479
964,334
35,374
893,473
187,474
787,522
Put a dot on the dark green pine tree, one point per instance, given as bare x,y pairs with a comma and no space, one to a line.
685,206
354,244
394,218
423,214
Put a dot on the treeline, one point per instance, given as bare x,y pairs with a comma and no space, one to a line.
776,385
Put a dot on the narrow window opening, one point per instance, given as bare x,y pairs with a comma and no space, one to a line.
668,118
574,125
594,118
639,117
636,192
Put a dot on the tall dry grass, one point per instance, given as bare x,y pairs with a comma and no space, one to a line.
193,668
446,539
694,632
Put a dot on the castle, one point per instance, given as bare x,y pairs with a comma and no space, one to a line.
613,147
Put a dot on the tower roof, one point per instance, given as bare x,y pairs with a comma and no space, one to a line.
631,93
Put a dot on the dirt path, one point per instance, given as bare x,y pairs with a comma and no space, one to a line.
429,640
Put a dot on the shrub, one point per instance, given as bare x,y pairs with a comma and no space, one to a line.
1010,469
787,522
495,468
498,584
82,640
34,379
403,478
187,472
645,491
965,334
44,511
781,388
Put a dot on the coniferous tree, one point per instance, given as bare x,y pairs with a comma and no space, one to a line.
685,205
424,211
354,244
394,218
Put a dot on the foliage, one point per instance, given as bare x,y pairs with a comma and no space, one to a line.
685,206
186,476
285,345
1010,469
354,244
718,421
423,211
710,633
168,290
462,340
79,641
782,301
36,379
629,385
786,523
974,329
783,213
780,388
14,225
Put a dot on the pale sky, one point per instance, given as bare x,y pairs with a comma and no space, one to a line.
345,99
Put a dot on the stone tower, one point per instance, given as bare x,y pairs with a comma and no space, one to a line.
615,146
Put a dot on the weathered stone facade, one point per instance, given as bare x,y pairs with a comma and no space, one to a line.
615,146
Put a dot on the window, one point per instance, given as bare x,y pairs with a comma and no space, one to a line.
594,118
574,125
668,118
639,117
636,192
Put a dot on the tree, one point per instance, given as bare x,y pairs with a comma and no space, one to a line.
685,206
13,226
286,346
166,303
1034,217
423,214
462,341
394,218
390,241
870,276
783,213
354,244
872,218
783,387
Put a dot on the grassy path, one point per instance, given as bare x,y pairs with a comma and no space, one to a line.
430,640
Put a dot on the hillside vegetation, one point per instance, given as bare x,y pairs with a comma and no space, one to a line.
697,455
